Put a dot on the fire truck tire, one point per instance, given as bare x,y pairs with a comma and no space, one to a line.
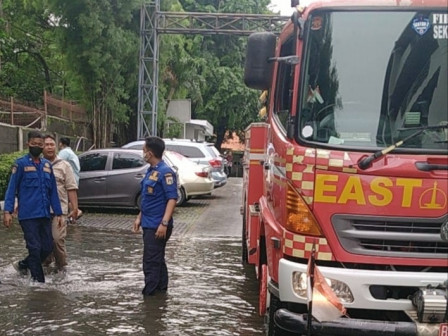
244,254
274,305
263,289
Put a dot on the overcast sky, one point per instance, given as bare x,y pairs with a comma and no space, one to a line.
284,6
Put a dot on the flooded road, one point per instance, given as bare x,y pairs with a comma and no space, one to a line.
210,292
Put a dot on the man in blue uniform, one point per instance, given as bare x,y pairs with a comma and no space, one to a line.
33,183
158,200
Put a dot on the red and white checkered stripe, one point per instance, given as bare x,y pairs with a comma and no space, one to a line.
299,246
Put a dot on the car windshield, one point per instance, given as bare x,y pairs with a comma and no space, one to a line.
371,78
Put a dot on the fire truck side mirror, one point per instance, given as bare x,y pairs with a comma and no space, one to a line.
259,67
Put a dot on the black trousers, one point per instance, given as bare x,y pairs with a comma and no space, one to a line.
154,266
39,242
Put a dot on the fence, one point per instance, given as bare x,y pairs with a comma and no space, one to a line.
57,116
19,113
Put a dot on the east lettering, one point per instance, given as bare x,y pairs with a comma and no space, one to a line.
379,187
352,191
379,191
408,187
322,187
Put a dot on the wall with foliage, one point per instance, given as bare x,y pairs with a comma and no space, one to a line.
6,162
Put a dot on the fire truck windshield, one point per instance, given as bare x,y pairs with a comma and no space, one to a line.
369,79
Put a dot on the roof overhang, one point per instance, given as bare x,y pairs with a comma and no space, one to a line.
203,124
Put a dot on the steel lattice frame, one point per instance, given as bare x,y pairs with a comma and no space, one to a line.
154,22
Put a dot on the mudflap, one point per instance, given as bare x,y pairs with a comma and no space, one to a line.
263,290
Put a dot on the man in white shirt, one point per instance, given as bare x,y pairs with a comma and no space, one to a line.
67,154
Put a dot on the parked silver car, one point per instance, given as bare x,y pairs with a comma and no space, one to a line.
111,177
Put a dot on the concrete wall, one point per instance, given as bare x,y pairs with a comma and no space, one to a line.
80,134
9,138
70,128
14,138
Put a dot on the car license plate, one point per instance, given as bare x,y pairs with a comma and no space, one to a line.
443,329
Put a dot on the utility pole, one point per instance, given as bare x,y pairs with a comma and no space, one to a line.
153,22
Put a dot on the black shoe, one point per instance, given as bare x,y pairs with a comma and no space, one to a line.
21,267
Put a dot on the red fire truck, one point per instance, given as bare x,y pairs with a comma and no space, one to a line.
351,157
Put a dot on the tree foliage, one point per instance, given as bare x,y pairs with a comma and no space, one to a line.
100,42
27,67
211,72
87,50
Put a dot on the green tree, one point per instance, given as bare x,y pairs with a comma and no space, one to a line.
99,42
87,50
28,65
208,70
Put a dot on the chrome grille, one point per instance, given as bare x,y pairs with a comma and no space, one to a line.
391,237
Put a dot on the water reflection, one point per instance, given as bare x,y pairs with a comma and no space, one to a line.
209,294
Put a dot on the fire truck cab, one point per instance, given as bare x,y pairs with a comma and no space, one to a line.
351,157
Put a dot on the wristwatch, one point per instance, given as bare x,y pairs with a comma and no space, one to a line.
164,223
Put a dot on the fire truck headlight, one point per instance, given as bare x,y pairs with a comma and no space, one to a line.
342,291
299,283
299,218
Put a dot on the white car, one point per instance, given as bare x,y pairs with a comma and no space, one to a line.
200,152
194,179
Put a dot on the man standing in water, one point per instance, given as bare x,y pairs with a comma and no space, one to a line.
158,200
67,191
33,182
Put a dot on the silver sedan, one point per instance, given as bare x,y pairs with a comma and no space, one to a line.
111,177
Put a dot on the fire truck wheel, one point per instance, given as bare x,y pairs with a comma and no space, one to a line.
274,305
244,255
263,290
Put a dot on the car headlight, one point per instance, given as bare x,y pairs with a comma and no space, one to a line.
341,289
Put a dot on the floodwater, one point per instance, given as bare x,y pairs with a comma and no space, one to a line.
210,292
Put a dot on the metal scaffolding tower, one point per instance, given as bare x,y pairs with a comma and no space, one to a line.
153,22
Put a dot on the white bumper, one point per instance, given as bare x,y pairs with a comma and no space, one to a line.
359,282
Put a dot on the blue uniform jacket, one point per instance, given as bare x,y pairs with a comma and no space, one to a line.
34,185
158,186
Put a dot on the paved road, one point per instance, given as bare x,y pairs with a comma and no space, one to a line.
210,292
217,215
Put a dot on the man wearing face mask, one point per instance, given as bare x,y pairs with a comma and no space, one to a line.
33,183
159,195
